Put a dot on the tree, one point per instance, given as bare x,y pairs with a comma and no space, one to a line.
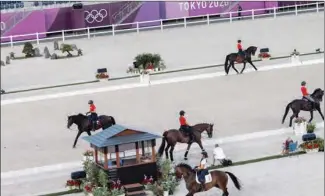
66,48
28,49
149,61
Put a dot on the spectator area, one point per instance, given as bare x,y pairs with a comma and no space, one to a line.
9,5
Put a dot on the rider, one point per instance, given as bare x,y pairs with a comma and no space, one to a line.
93,114
240,49
305,93
185,126
202,169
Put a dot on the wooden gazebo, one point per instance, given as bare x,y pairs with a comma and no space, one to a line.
125,153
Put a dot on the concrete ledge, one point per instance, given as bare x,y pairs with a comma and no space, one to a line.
155,73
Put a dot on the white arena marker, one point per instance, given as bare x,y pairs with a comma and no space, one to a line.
154,82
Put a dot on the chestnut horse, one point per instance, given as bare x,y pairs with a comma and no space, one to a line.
219,180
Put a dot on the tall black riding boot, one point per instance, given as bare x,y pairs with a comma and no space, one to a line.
94,126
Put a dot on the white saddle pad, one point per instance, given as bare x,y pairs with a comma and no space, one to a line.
208,178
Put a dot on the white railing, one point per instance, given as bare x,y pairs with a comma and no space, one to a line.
159,24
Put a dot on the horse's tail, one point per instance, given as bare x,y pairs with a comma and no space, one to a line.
286,112
163,144
234,180
113,120
226,63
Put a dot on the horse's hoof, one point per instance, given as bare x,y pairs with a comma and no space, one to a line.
73,146
185,158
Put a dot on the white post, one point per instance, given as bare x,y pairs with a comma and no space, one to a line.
63,36
184,22
88,32
208,19
161,25
11,42
296,9
137,27
230,16
113,30
37,38
317,7
253,17
274,12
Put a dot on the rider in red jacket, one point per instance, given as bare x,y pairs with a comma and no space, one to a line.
240,48
185,126
305,93
93,114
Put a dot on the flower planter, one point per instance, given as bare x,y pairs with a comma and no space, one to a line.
312,150
300,128
265,58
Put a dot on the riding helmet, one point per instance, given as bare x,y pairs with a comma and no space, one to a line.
239,41
303,83
205,154
182,113
90,102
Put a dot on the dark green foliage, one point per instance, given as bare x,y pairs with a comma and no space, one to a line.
28,49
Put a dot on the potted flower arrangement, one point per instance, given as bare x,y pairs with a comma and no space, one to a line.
88,155
70,184
300,126
295,57
264,56
309,146
88,189
311,127
320,142
102,76
147,181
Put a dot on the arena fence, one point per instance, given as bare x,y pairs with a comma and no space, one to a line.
164,24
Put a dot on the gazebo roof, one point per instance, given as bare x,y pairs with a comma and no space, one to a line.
110,137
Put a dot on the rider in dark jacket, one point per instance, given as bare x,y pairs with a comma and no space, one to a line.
185,126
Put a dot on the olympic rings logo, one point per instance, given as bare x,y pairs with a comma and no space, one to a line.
3,26
95,15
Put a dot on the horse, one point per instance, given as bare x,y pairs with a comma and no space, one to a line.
235,57
84,124
299,104
173,136
219,179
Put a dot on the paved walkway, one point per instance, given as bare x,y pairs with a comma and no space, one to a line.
239,151
176,46
234,104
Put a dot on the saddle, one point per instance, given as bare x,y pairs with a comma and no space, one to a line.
207,179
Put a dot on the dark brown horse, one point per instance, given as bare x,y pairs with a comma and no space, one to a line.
173,136
235,57
299,104
219,180
84,124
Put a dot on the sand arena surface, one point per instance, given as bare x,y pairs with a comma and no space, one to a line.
36,131
179,47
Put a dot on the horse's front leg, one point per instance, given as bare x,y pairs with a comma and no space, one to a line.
320,112
89,133
250,62
76,139
188,148
311,116
243,68
201,146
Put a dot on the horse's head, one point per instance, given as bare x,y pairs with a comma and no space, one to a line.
251,50
318,94
71,120
183,170
204,127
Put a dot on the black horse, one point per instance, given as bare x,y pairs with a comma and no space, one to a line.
84,124
299,104
235,57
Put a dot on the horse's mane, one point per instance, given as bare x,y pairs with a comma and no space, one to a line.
186,167
316,90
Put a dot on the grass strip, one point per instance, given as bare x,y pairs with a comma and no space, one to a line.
64,192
